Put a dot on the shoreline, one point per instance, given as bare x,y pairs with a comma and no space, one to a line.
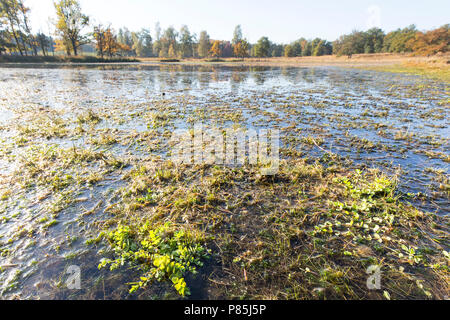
434,67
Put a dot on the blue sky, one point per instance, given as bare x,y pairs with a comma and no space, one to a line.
281,20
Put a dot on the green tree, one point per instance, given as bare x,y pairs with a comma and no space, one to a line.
70,23
125,39
396,41
321,47
306,48
204,45
142,43
157,43
169,39
289,51
276,50
350,44
9,14
25,28
237,35
4,44
241,49
186,42
262,47
298,49
374,41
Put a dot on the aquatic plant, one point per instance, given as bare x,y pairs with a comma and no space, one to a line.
162,254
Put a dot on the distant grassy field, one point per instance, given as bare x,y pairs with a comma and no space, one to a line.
430,70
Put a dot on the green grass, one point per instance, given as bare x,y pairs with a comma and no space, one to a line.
421,69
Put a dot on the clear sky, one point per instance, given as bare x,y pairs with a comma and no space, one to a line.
281,20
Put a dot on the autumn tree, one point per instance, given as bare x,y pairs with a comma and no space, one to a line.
171,52
215,49
100,41
70,23
241,49
112,46
431,42
204,45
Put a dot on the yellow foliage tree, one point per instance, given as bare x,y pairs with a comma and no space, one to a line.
69,24
241,49
171,52
431,42
107,43
100,41
215,49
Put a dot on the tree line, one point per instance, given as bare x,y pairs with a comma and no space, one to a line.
74,29
407,40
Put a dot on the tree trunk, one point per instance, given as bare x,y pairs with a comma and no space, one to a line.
74,47
27,29
15,36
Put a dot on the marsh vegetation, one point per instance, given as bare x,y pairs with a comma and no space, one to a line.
86,180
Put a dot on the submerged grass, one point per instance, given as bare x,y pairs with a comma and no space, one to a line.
310,232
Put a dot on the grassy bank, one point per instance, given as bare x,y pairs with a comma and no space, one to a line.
429,70
62,59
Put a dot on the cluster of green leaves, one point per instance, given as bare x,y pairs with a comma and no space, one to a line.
303,48
162,254
365,212
360,188
370,41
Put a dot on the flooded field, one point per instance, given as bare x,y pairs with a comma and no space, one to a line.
84,150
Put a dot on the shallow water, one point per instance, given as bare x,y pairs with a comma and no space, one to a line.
394,122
